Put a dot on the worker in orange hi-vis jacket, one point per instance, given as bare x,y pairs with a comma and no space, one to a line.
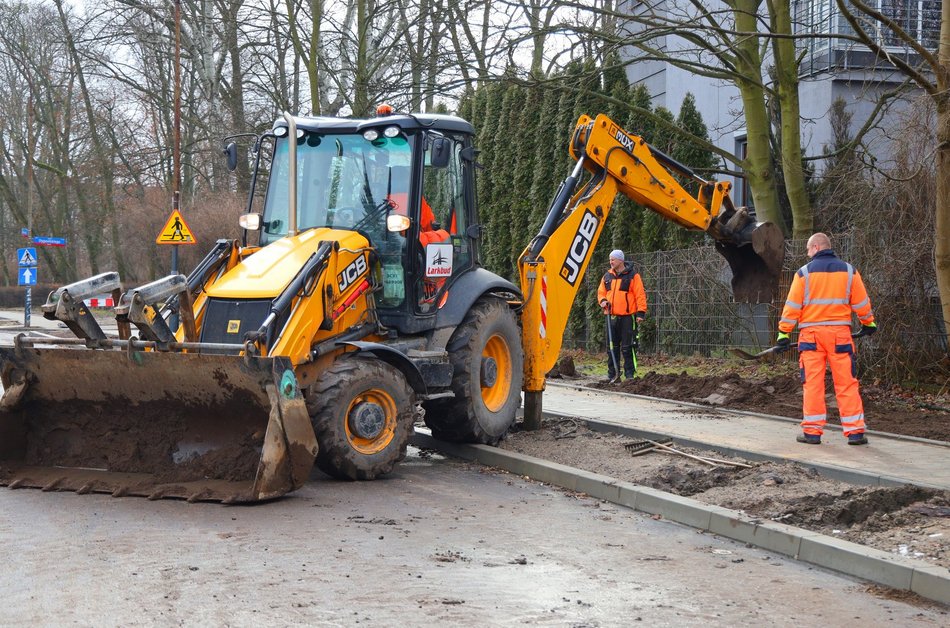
622,298
824,294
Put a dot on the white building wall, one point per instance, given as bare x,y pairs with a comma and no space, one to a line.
721,108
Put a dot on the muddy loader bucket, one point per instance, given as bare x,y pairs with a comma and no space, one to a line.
126,422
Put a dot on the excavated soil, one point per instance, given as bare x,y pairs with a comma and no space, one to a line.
171,442
906,520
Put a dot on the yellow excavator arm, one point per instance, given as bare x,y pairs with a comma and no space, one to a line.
553,264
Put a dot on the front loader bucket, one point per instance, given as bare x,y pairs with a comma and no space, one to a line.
192,426
755,257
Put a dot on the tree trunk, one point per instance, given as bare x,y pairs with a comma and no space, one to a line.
942,214
942,219
786,76
758,166
103,158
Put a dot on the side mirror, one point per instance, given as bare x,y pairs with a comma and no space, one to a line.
441,152
251,222
230,151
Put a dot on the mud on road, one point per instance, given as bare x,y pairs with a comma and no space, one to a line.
905,520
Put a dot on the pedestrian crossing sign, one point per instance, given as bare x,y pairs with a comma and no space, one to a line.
26,257
175,231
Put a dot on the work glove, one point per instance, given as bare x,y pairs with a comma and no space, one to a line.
869,329
783,343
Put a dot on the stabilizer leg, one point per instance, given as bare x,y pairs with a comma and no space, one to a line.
532,410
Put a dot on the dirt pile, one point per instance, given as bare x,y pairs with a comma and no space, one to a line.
905,520
172,442
729,390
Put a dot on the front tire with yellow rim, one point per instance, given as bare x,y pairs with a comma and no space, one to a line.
487,362
362,411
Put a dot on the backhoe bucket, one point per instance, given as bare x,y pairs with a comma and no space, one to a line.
191,426
755,257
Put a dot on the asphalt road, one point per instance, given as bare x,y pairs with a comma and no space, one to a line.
439,542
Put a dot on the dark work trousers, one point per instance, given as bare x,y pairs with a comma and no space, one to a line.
621,330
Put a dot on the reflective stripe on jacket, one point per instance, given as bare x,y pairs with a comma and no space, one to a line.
633,300
825,291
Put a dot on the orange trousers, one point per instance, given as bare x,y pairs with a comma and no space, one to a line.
829,345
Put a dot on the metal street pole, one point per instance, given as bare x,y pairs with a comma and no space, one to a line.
28,305
176,175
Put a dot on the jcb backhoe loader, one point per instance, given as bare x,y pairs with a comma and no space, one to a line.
361,308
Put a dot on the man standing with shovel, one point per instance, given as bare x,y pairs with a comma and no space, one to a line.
622,297
824,294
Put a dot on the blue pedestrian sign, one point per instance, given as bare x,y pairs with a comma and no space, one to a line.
27,276
26,257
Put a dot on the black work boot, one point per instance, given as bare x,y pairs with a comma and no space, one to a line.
809,439
857,438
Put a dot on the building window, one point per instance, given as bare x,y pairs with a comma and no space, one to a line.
918,18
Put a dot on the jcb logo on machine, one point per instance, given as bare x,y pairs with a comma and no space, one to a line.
351,273
622,137
580,247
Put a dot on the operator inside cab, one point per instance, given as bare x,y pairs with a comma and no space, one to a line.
434,259
430,232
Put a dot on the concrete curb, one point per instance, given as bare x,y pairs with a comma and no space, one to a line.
834,554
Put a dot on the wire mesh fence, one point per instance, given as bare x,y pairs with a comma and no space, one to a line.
692,309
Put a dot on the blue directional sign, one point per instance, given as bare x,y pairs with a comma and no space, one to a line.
26,257
48,241
27,276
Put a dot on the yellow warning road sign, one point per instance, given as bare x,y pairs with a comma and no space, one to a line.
175,231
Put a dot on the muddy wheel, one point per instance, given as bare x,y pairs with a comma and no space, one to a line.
486,356
362,412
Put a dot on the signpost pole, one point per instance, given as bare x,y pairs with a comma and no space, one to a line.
176,175
28,302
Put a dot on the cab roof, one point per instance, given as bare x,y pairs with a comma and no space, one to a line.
407,122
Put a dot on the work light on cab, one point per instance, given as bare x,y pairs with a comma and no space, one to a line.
251,222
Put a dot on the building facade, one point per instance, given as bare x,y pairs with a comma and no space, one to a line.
831,68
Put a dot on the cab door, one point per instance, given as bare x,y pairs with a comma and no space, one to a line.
444,217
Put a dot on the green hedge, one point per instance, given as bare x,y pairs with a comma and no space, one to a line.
15,296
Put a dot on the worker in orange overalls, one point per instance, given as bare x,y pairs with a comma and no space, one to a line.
622,297
824,293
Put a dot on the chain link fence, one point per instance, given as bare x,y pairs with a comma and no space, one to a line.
692,310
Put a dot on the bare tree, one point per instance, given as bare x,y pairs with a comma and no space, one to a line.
932,76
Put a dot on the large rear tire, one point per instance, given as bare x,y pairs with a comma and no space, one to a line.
362,411
486,356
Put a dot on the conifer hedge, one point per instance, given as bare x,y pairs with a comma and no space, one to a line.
522,134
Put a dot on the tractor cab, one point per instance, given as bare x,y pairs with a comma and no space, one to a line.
405,182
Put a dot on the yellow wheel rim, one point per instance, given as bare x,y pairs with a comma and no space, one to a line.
378,441
495,395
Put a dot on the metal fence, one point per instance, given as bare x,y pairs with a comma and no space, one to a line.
692,310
